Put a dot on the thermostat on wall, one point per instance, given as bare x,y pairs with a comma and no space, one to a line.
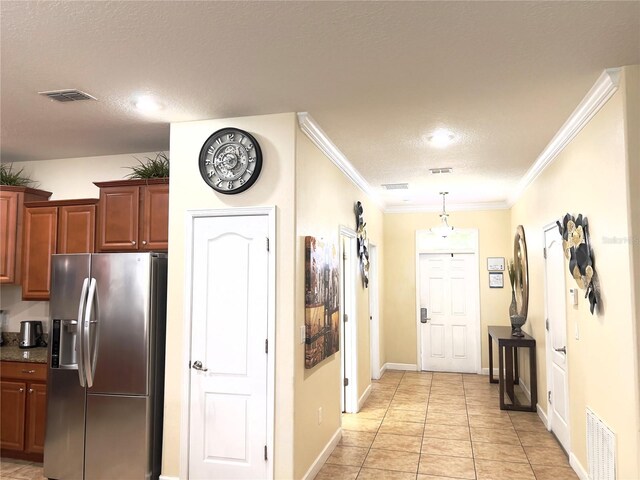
573,294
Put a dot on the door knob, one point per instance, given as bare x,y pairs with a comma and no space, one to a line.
561,350
197,365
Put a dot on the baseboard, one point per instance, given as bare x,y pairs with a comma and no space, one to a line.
324,455
382,370
543,416
167,477
496,371
363,398
577,467
412,367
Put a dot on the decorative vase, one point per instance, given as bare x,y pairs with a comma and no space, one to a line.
517,321
513,308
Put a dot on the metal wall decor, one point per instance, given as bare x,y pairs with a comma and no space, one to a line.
577,249
363,244
521,268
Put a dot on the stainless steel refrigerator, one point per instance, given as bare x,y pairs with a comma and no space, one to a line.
106,366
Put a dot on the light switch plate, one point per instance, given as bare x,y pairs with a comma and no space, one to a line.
573,295
303,334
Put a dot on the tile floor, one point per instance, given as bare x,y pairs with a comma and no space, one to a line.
442,426
426,426
12,469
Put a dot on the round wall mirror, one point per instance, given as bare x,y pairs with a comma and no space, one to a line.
520,262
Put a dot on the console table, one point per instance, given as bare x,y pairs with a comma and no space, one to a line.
508,375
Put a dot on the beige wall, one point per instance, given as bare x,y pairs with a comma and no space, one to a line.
590,177
324,200
66,178
276,135
632,127
495,239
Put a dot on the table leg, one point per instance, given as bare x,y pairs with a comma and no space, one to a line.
508,353
534,379
501,375
491,379
516,369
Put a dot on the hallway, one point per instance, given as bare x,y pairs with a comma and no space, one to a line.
439,426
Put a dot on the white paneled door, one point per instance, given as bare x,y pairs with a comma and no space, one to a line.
448,320
228,412
557,336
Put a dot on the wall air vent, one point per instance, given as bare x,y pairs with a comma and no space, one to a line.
67,95
601,449
396,186
435,171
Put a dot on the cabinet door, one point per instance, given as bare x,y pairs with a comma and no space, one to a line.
8,229
154,232
12,415
76,229
118,213
40,238
37,417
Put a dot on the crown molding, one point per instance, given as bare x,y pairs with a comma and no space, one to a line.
320,139
606,85
459,207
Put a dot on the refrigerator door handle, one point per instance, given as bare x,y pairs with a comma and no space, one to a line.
79,343
86,333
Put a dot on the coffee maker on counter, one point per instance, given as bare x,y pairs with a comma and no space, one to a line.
31,334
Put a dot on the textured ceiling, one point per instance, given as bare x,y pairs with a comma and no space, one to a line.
378,77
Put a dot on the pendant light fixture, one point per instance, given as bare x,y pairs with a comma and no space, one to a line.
443,230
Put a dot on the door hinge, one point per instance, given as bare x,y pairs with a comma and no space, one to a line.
344,256
346,382
267,244
266,346
546,324
346,318
550,397
370,317
265,453
544,252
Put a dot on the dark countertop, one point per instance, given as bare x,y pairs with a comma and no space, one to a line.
13,353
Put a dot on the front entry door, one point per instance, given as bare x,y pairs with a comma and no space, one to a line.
448,331
228,411
557,344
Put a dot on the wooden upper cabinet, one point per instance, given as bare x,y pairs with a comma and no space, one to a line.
133,215
154,224
118,214
40,239
77,232
11,212
62,226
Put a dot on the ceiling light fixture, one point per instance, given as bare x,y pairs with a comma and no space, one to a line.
443,230
441,138
147,104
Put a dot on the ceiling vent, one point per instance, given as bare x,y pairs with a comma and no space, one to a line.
436,171
67,95
396,186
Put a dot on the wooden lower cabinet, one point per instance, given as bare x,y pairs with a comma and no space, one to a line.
23,410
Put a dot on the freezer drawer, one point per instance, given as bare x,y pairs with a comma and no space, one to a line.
64,441
117,438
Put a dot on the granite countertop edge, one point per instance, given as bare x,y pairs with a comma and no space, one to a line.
13,353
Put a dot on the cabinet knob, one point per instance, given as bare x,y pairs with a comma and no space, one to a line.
28,371
133,242
144,242
21,389
31,390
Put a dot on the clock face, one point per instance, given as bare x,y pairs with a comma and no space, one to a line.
230,161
